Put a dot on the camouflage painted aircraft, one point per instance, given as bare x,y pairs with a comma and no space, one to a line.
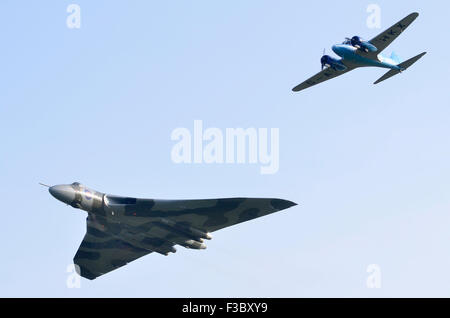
122,229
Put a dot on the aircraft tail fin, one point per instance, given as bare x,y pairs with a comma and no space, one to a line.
396,58
404,66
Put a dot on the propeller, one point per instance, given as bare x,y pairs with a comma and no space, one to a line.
322,60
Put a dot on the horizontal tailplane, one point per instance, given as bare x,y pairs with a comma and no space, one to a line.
404,66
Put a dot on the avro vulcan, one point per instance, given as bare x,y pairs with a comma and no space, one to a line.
122,229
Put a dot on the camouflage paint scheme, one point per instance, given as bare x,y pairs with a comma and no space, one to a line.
122,229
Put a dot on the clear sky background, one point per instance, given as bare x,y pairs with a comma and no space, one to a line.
368,165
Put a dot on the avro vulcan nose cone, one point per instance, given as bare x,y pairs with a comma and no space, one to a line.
64,193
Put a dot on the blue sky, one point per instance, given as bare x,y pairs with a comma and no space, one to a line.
368,165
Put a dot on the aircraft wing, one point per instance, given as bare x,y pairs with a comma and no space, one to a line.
383,40
215,214
323,76
106,247
101,252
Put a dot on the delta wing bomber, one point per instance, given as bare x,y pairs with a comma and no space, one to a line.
122,229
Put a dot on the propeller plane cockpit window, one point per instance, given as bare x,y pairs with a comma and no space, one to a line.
347,42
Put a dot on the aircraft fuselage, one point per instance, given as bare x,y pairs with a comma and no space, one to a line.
352,57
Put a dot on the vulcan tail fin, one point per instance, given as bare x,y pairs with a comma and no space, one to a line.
404,66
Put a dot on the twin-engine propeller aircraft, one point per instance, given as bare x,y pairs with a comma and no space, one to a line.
356,52
122,229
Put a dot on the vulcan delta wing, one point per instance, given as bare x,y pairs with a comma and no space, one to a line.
122,229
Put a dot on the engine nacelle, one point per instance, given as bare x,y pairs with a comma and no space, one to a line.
193,244
328,61
363,45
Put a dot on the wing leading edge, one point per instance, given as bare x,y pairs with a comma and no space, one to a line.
320,77
214,214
